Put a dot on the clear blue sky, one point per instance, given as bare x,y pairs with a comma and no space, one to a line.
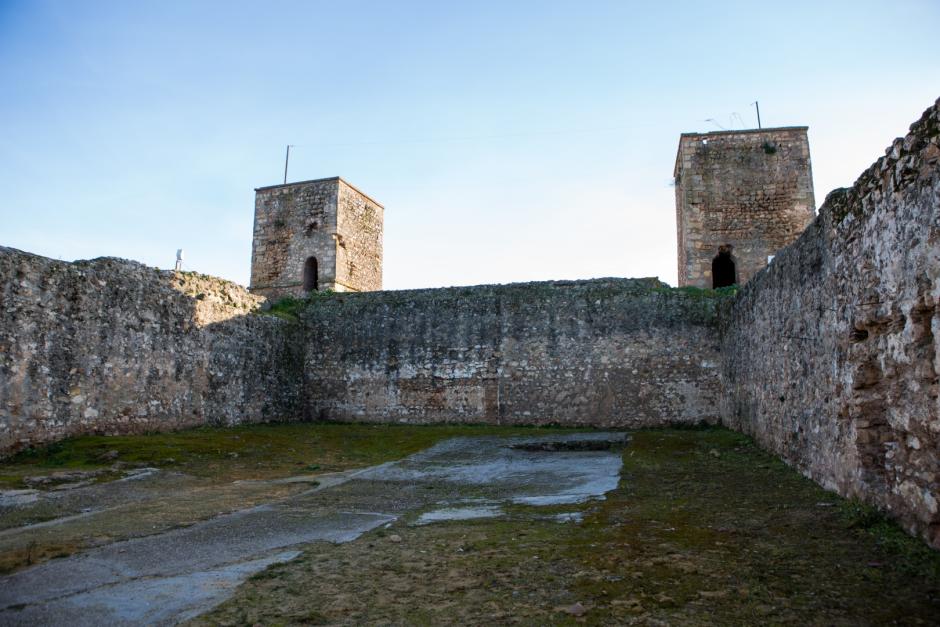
507,140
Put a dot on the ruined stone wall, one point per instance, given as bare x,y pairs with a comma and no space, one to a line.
751,190
610,352
830,356
113,346
358,242
292,223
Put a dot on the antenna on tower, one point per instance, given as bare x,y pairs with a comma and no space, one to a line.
286,161
715,122
757,106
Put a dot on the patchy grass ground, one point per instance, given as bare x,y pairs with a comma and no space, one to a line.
704,529
265,451
204,472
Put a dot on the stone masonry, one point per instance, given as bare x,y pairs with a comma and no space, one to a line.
324,232
605,352
748,193
113,346
831,356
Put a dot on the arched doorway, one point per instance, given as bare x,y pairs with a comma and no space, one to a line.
723,270
311,283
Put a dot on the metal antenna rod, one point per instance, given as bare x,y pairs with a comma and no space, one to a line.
286,161
757,106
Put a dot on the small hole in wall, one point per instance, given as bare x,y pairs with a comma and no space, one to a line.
858,335
781,398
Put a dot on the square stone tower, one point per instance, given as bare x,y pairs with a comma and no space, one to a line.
740,197
315,235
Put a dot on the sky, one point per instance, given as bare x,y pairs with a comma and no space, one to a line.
508,141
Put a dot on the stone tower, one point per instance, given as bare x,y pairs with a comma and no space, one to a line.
315,235
740,197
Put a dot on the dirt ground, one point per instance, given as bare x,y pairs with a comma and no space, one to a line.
703,528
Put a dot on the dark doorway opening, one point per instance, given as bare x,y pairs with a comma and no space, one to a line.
310,275
723,271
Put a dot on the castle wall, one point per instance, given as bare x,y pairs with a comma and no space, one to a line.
830,355
294,222
113,346
359,241
749,189
610,352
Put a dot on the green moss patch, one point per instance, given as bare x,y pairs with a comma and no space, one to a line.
289,308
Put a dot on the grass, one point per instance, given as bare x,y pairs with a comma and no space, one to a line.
290,307
212,459
915,558
286,308
260,451
703,529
